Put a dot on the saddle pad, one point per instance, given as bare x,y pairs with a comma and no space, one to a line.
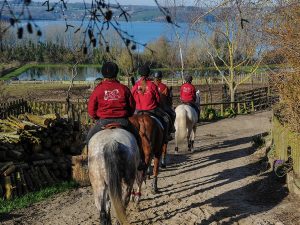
158,121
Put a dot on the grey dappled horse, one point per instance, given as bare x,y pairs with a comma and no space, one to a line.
185,124
113,159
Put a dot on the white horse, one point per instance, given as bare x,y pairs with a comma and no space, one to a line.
185,124
113,159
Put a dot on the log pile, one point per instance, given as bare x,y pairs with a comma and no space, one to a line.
36,151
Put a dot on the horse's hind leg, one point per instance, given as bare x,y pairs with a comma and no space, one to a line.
148,158
164,155
190,132
103,204
176,141
155,174
193,134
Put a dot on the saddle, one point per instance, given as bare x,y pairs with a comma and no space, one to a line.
128,128
113,126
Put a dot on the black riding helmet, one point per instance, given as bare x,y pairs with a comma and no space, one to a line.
158,75
188,78
144,71
109,70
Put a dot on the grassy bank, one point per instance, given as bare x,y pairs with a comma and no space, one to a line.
26,90
7,206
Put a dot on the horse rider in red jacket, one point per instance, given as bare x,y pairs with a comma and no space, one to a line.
111,102
166,98
147,98
188,94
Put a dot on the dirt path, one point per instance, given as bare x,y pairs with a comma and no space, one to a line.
220,183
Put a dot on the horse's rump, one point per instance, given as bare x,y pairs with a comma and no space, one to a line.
113,161
150,131
186,119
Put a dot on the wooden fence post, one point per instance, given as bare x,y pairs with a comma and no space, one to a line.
222,110
252,106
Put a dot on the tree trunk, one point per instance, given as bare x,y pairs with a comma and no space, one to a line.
209,89
232,98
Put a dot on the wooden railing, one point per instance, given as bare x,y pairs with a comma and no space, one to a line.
238,107
262,98
259,78
78,110
13,108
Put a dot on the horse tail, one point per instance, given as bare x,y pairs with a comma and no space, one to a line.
113,161
181,128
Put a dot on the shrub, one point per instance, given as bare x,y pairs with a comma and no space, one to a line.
209,114
229,112
283,31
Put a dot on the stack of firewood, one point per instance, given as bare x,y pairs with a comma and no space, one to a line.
36,151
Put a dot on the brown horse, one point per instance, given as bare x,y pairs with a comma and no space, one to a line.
166,104
151,134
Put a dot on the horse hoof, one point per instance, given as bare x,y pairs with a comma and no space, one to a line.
132,198
163,162
154,186
137,207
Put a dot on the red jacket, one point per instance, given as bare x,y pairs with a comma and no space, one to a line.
149,99
188,93
162,88
110,99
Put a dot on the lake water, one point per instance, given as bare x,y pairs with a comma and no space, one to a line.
57,73
86,74
143,32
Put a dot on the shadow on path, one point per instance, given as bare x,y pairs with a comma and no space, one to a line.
261,195
8,216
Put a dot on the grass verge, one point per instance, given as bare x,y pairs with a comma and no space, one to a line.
27,90
7,206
